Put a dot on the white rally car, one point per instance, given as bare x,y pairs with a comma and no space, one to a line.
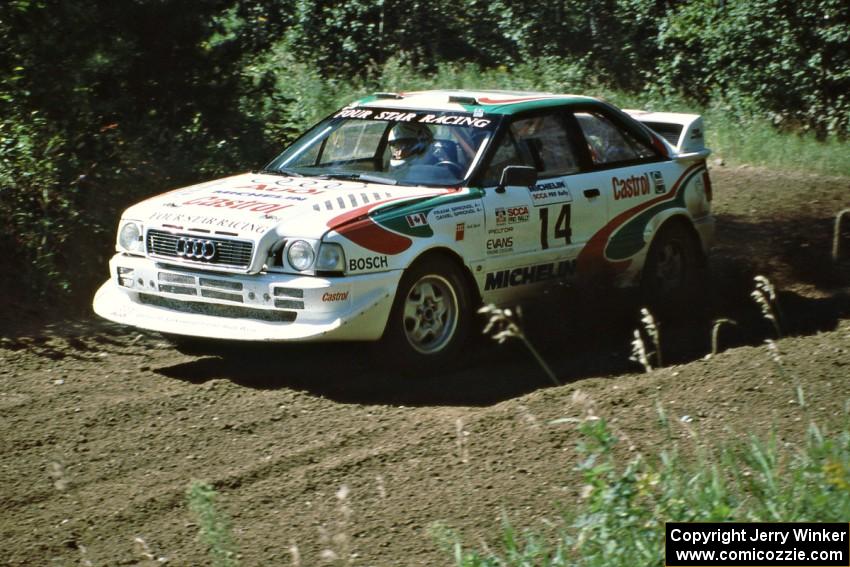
394,218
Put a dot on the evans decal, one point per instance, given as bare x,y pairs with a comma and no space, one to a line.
549,193
369,263
335,296
634,186
499,245
529,275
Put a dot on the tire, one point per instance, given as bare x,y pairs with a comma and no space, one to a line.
430,319
673,272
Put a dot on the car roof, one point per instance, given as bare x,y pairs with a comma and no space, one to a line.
488,101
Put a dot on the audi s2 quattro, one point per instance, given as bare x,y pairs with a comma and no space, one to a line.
395,217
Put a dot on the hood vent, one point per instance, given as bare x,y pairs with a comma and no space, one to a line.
351,201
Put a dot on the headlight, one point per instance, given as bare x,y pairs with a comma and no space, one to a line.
300,255
331,258
130,238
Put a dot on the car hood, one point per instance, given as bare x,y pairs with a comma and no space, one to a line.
257,206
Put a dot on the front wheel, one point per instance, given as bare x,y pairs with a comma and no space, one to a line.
431,316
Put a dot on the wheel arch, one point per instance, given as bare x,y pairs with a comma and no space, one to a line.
393,335
457,260
681,220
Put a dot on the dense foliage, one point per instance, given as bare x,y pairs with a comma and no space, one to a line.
102,103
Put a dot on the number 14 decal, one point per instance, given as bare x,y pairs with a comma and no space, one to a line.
562,226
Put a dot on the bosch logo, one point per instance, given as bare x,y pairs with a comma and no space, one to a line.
195,248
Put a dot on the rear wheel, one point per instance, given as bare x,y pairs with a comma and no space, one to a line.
672,274
431,316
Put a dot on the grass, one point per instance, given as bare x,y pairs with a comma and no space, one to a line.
620,520
758,142
625,505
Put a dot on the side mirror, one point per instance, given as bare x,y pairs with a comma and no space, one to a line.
517,176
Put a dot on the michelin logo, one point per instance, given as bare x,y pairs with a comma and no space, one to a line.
529,275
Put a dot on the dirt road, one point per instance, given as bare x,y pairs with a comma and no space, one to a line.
103,428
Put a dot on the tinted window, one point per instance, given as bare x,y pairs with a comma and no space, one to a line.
607,143
541,142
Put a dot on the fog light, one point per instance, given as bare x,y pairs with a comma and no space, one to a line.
125,277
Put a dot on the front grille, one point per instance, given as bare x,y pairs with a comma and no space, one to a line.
228,253
216,310
185,284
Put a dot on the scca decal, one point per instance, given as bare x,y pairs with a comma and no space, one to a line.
368,263
511,215
529,275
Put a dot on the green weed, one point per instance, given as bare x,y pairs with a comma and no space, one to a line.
213,524
620,520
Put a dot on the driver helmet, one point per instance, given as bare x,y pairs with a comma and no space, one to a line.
408,140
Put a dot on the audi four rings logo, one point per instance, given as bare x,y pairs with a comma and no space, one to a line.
195,248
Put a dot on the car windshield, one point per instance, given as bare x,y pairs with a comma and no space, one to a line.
397,147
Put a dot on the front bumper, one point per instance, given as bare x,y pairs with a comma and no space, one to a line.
262,307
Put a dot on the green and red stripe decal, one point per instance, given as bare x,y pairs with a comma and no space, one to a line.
609,251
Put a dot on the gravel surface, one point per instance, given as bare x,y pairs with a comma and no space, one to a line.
104,428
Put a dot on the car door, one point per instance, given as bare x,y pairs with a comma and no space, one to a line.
534,234
629,174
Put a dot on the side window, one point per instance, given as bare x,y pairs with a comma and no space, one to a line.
541,142
506,154
607,143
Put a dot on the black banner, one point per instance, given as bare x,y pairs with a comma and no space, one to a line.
802,544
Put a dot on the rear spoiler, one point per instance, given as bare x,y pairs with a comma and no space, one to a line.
683,132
